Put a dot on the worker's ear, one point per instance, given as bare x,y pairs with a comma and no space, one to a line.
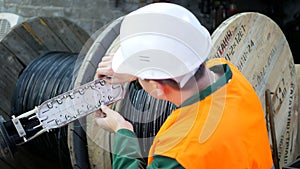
158,90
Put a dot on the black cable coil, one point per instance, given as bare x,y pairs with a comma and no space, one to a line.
45,77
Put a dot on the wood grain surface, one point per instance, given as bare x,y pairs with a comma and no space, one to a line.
257,46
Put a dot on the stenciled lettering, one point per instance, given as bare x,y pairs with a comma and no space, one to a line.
245,54
225,42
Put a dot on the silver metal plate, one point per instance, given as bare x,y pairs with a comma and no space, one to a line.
76,103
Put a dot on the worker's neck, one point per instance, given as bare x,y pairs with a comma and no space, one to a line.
193,88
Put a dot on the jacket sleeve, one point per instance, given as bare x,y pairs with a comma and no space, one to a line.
127,154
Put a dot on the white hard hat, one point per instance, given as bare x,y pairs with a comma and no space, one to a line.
161,41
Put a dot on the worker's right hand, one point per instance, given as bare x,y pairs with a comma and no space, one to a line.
111,120
105,71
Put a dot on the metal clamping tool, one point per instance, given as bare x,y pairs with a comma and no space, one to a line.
57,112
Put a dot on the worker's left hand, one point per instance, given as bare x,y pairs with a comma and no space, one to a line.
105,71
111,120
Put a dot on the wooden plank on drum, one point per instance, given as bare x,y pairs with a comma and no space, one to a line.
19,47
257,46
79,32
64,32
10,68
41,30
30,37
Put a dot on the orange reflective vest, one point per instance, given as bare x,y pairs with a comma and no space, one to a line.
221,127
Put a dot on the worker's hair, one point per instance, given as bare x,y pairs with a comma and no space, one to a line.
171,82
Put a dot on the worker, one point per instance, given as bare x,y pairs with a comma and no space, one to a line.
218,121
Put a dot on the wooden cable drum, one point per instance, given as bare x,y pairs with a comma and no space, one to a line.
257,46
23,45
29,39
254,43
